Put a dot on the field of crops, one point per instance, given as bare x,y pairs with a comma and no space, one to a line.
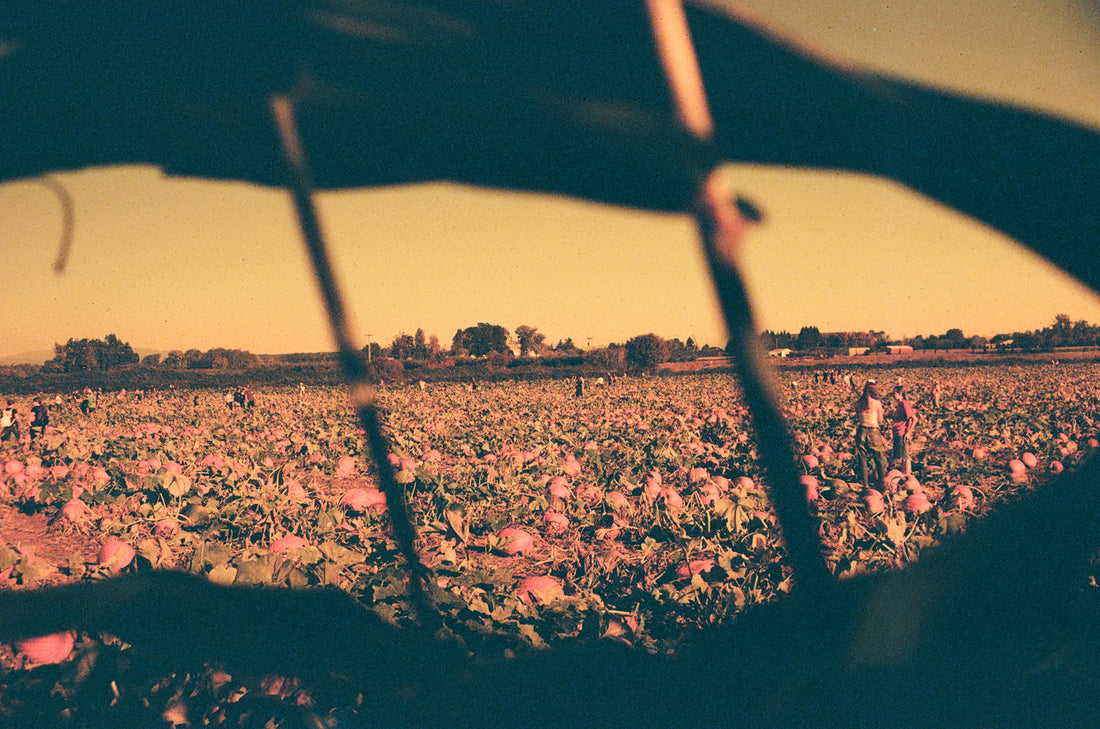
635,513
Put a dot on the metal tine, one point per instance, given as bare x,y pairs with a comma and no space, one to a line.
722,219
360,390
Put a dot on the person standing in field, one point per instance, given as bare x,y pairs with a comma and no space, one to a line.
903,422
870,447
9,422
40,418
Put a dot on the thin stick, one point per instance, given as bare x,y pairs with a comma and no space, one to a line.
722,226
360,390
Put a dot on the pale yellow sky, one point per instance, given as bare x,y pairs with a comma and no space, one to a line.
179,264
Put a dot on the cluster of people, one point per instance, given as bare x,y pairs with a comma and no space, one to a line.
9,420
581,385
870,413
244,397
829,377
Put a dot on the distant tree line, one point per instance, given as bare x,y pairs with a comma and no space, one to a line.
493,347
527,345
111,353
1062,333
492,343
811,338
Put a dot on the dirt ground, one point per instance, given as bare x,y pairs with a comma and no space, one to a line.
53,543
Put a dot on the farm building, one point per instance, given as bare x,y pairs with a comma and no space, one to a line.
899,348
784,352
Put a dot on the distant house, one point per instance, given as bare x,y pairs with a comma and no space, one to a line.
785,352
854,351
898,348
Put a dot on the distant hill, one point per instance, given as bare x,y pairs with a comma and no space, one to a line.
33,358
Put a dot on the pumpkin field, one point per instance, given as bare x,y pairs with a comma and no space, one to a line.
635,513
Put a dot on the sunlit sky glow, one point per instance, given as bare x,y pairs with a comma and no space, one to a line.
179,264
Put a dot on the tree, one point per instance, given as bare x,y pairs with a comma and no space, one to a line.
386,369
116,353
566,346
608,358
809,338
458,344
676,350
420,345
954,339
89,355
644,352
709,350
221,359
864,339
530,340
402,346
434,348
1084,334
771,340
481,340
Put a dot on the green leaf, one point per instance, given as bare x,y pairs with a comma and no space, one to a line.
895,530
178,485
36,571
297,579
478,604
453,514
155,551
531,635
255,571
223,575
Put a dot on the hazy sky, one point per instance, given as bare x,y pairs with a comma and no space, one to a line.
179,264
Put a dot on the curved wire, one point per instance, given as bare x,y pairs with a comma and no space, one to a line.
68,220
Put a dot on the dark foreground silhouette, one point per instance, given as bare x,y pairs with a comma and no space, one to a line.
996,629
